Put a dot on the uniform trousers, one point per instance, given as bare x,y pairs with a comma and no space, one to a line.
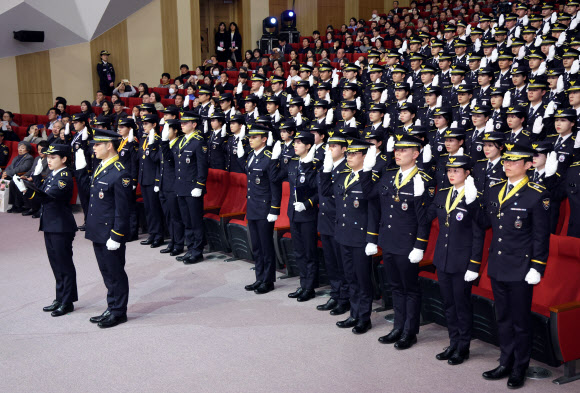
60,255
173,219
334,269
513,305
304,241
456,293
191,209
261,236
357,268
403,279
112,267
153,212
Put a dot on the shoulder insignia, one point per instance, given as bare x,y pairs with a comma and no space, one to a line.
482,160
63,173
197,136
384,157
551,136
268,153
575,163
119,166
392,169
536,186
125,181
499,182
425,176
295,158
446,188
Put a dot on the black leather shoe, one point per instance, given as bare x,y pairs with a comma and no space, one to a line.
167,249
55,304
329,305
63,309
15,209
101,317
499,372
176,251
306,295
458,357
81,228
181,258
392,337
347,323
112,321
264,287
296,293
362,327
446,354
253,286
28,212
340,309
146,242
157,243
406,341
36,214
192,260
516,380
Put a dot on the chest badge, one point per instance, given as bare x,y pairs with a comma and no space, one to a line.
459,216
302,179
101,194
518,223
257,181
356,203
187,160
404,206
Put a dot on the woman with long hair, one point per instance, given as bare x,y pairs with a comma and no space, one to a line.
143,88
235,42
107,108
222,43
87,110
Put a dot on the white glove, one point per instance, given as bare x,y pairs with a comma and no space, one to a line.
494,55
500,21
577,143
468,30
19,183
538,125
518,32
289,81
498,82
162,121
416,255
551,53
477,45
533,277
410,81
328,161
549,109
276,150
242,133
561,39
470,190
521,52
384,96
205,127
358,103
112,245
551,163
410,98
85,134
575,67
260,92
418,185
371,249
418,122
489,126
311,80
223,133
470,276
134,188
507,98
390,144
131,137
427,155
240,149
574,23
80,160
165,132
525,20
196,192
335,80
67,129
240,88
299,206
151,137
156,189
38,168
435,81
370,159
459,152
553,20
538,41
483,62
473,102
329,115
560,83
270,140
309,157
272,217
386,120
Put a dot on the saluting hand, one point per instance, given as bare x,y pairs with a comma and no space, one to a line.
418,185
276,150
470,190
328,161
309,157
370,159
551,163
80,160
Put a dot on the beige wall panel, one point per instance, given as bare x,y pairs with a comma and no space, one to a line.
71,69
170,38
184,31
34,85
307,16
9,85
330,12
351,9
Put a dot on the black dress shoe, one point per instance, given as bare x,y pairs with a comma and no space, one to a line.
392,337
81,228
28,212
296,293
15,209
347,323
101,317
362,327
55,304
340,309
458,357
167,249
112,321
264,287
63,309
157,243
176,251
36,214
181,258
329,305
253,286
146,242
406,341
191,260
516,380
306,295
446,354
499,372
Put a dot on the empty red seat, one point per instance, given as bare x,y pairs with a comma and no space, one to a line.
72,109
28,120
217,186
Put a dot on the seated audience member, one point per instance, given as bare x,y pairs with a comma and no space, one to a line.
172,91
165,80
99,98
28,206
121,89
34,134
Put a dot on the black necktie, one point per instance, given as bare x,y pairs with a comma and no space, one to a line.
400,178
454,195
350,177
509,188
536,176
513,137
558,143
475,133
489,167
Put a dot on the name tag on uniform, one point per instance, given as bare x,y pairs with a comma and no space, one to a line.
256,169
100,182
518,209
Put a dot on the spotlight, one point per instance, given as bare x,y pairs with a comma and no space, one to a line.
270,26
288,19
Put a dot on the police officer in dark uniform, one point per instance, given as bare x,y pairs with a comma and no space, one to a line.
238,129
474,137
441,118
497,115
489,170
277,84
320,132
190,155
107,226
263,207
129,156
276,114
202,110
461,111
287,130
458,253
4,151
80,123
517,258
516,120
106,74
251,106
302,211
395,227
148,170
58,224
217,141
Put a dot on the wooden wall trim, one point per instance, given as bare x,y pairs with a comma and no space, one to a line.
170,36
34,82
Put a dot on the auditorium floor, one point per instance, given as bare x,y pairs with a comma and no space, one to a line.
195,328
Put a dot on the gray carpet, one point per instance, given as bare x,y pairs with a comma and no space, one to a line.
195,328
